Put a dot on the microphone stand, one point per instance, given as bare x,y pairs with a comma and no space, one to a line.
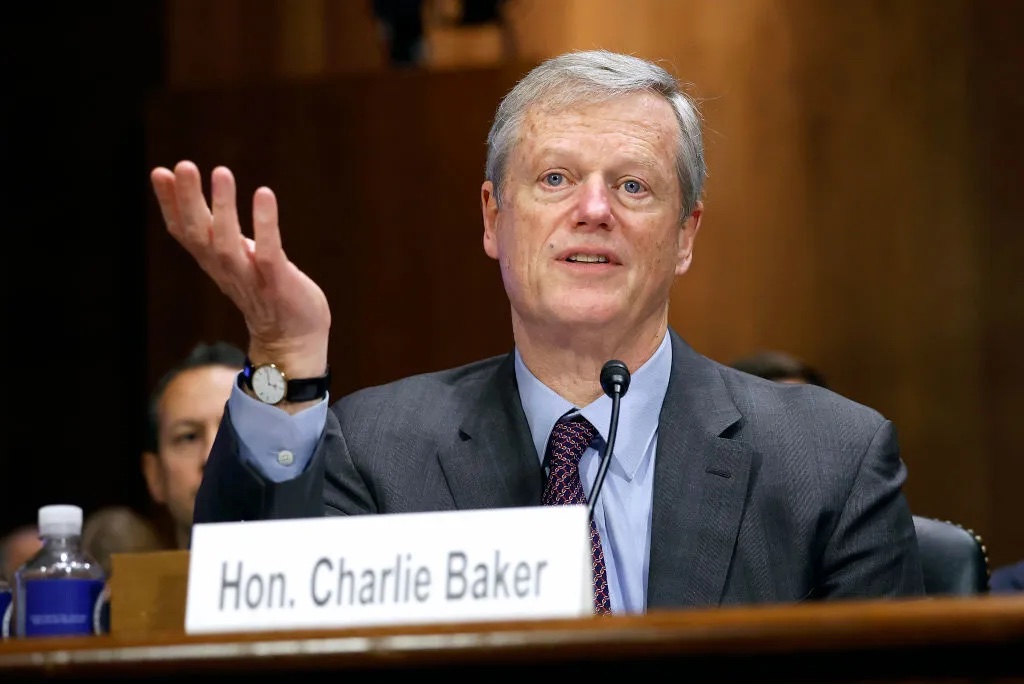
606,457
614,382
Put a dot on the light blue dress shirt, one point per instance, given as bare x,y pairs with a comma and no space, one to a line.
280,446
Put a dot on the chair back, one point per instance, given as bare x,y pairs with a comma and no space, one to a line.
953,558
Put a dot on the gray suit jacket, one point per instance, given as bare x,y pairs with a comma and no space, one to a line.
763,492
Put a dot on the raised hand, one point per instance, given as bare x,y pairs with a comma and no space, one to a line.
286,313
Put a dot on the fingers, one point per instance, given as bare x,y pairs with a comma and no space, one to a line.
215,238
266,234
227,232
163,186
196,221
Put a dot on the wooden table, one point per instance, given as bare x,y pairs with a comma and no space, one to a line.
975,639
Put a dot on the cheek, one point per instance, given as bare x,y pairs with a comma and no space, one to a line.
516,245
184,471
658,254
655,251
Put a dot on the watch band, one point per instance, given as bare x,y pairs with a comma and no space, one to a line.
298,389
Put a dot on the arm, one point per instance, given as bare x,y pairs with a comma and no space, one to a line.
288,320
276,444
872,551
240,483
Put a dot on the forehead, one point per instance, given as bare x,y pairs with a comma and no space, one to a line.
197,392
638,123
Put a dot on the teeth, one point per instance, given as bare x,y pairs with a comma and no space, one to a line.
588,258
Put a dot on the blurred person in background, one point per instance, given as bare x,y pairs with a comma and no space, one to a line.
780,367
185,410
18,546
1007,579
119,529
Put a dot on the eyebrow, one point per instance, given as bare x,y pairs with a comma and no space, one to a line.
184,422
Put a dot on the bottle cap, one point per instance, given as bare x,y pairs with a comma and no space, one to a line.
60,519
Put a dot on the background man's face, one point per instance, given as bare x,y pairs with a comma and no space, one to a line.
190,412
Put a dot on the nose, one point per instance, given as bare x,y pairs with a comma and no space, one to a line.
594,208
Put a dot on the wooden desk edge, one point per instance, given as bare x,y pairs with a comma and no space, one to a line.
806,628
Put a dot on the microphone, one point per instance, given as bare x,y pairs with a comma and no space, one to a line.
614,382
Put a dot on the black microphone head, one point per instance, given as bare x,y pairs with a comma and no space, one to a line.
615,378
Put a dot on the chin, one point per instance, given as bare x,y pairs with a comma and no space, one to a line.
587,311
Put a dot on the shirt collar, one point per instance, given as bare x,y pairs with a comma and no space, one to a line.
639,409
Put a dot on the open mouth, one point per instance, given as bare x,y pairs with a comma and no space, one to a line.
587,259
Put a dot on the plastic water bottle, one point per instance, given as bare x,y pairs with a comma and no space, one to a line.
5,608
57,589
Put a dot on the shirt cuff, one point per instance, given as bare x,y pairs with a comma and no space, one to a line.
278,444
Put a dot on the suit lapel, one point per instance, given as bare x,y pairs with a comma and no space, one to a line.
700,485
491,461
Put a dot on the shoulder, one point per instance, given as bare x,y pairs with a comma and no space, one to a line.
812,444
778,411
811,438
769,413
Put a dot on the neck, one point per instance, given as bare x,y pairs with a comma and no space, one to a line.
569,361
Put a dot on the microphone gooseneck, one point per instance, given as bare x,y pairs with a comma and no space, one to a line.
614,382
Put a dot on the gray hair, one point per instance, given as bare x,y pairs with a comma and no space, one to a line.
594,76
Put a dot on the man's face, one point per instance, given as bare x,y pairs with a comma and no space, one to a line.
189,414
589,232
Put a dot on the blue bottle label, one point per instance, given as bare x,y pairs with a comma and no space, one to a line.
60,606
5,613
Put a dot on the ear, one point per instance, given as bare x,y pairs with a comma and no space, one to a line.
687,236
489,208
154,474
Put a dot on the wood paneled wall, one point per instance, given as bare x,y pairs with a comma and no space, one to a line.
234,41
863,205
378,182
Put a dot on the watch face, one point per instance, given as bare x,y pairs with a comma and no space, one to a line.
268,384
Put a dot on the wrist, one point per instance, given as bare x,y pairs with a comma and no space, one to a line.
296,359
268,383
290,407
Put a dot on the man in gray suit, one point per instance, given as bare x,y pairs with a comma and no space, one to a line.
723,488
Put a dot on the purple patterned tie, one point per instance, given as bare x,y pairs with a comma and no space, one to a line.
569,439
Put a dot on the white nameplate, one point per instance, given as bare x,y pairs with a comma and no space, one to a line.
495,564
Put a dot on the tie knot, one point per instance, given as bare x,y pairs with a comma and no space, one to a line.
569,439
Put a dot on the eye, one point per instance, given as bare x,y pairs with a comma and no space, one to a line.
186,437
554,179
633,187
